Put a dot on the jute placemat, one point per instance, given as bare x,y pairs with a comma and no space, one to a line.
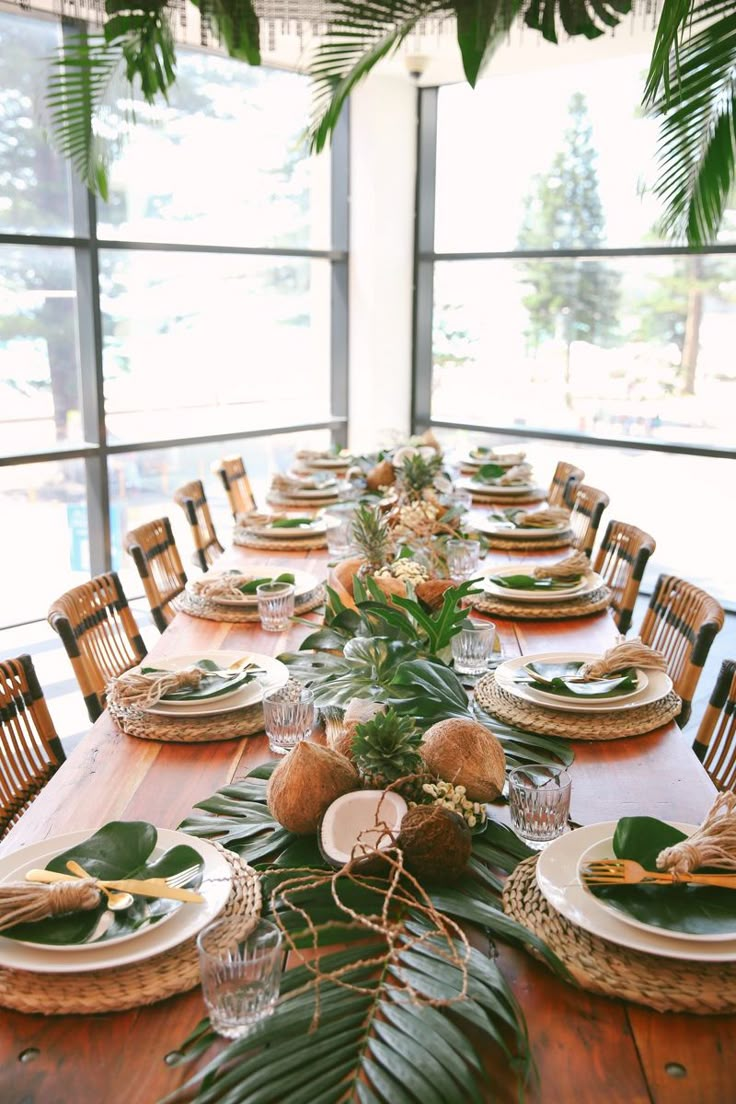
198,606
573,726
139,983
188,730
543,611
248,539
518,544
286,502
598,966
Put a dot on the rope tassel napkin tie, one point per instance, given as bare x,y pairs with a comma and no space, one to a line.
630,653
24,903
520,473
136,691
572,566
542,519
221,586
714,843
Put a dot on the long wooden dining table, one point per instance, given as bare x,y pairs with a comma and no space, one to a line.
586,1048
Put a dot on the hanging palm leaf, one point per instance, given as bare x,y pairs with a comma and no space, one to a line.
691,87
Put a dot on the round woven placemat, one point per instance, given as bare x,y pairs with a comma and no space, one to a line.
285,502
138,983
248,539
518,544
188,730
197,606
547,611
483,498
598,966
507,707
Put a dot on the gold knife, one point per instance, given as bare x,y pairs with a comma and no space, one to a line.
145,887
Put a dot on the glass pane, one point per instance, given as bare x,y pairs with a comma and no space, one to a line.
44,509
631,347
142,485
197,344
39,361
550,173
697,488
224,162
34,181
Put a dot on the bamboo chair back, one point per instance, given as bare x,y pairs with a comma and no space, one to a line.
193,501
587,511
681,622
620,561
100,636
564,483
715,743
30,750
159,565
231,471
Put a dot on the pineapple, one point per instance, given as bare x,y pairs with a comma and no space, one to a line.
373,539
417,473
386,748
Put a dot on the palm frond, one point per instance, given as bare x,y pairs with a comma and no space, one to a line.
697,141
360,34
578,17
238,26
673,19
480,27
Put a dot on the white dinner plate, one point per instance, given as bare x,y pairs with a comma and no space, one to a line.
182,925
507,530
469,461
315,528
303,584
658,686
276,675
587,585
328,463
307,493
494,489
559,882
603,849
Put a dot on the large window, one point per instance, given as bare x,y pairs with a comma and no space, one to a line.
198,312
548,304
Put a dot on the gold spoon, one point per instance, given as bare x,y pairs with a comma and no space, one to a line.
116,901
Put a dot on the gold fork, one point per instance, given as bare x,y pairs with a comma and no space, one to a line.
628,872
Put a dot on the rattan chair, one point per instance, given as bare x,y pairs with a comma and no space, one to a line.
193,501
231,471
681,622
100,636
715,743
587,511
563,485
158,562
30,750
621,559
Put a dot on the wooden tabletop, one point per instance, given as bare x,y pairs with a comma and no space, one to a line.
586,1048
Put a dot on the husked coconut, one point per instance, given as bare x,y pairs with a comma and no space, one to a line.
436,843
359,824
305,783
465,753
432,591
382,475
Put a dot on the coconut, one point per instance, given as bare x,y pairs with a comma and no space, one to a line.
382,475
436,843
357,825
305,783
431,592
467,754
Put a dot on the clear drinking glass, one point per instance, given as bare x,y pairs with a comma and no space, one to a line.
461,500
275,605
473,646
339,534
463,557
539,799
289,716
240,975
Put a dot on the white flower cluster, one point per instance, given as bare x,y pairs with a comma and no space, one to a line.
453,798
409,571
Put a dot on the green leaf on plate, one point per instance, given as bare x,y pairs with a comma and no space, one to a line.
489,473
529,582
251,587
291,523
554,679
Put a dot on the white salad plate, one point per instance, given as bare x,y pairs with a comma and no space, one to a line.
589,583
559,882
183,924
329,463
329,491
657,686
494,489
532,532
276,675
470,461
316,528
303,584
603,849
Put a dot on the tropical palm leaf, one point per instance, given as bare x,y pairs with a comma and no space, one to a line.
578,17
692,88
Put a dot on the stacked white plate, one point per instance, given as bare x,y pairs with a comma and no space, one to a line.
316,527
304,583
652,686
560,882
588,584
276,674
326,463
503,460
179,926
328,489
495,489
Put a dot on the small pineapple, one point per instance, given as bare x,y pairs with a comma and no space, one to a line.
373,539
417,473
386,748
